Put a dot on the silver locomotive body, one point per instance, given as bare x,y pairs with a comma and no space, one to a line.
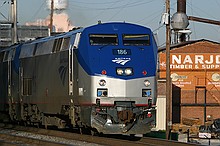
122,111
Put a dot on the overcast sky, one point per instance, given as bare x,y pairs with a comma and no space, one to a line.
144,12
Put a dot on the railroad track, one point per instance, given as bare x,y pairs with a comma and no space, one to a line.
19,135
8,139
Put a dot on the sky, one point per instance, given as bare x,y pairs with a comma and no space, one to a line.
144,12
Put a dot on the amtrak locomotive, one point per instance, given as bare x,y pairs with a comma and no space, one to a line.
102,78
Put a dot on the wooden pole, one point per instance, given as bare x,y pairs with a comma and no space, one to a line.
51,16
168,79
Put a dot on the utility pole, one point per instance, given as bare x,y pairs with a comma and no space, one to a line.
14,38
51,16
168,80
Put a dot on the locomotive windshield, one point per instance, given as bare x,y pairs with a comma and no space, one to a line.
136,39
103,39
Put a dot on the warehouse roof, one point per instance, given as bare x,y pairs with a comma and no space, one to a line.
176,46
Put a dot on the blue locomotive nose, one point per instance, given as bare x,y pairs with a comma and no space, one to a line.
121,54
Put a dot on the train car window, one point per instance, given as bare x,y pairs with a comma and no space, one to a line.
2,56
11,54
57,44
27,50
65,44
136,39
44,47
103,39
27,86
6,56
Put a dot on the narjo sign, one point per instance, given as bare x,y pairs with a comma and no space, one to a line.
192,61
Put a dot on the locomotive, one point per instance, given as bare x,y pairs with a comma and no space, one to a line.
101,78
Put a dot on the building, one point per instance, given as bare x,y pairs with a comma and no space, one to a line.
24,33
195,75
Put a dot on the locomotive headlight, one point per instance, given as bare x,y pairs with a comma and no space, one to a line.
120,71
147,83
124,71
102,82
128,71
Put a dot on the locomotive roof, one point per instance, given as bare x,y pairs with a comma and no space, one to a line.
74,31
112,24
55,36
8,48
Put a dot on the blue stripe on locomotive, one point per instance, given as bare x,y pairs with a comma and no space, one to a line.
16,61
94,59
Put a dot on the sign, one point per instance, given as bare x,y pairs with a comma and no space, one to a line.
204,135
215,80
180,80
121,51
191,61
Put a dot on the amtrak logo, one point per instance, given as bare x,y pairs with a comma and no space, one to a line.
121,61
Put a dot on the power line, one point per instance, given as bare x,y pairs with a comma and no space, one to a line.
37,12
201,10
116,13
197,13
96,3
101,12
3,3
150,15
133,4
193,23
